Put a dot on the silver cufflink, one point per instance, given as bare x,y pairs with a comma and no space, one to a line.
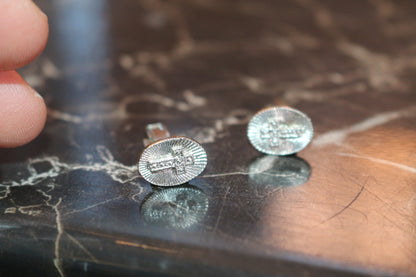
170,161
280,131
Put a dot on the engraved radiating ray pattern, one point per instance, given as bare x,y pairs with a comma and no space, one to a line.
178,208
162,149
293,130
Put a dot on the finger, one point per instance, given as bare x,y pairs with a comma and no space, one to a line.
23,33
22,110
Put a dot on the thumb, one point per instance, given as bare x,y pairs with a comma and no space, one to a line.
22,111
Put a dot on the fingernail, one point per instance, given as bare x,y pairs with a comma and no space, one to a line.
37,8
38,95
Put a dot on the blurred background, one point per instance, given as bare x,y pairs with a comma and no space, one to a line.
72,202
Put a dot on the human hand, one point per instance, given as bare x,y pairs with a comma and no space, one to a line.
23,35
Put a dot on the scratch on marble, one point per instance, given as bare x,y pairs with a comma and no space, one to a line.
147,247
57,260
92,206
224,174
346,207
260,172
338,136
116,170
221,209
395,222
82,247
380,161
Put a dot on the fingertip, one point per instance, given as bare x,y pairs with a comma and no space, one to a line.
22,111
24,32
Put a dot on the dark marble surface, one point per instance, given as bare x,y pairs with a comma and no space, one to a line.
72,202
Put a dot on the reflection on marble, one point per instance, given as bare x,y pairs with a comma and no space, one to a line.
284,171
177,208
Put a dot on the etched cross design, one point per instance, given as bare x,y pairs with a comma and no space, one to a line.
176,161
275,132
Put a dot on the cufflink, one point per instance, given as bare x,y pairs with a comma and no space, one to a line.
170,160
280,131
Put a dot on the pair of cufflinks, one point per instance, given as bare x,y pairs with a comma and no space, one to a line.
174,160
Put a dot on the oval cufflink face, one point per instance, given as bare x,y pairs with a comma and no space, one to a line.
280,131
172,161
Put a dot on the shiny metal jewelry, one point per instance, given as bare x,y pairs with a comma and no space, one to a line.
280,131
170,161
178,208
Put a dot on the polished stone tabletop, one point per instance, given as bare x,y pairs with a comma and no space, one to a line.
72,202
